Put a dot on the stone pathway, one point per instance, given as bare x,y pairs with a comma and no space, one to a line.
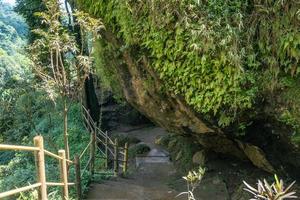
154,177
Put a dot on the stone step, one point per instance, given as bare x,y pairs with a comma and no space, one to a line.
145,160
154,156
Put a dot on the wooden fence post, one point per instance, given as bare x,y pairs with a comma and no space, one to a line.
64,174
125,162
92,152
116,158
40,164
78,177
106,150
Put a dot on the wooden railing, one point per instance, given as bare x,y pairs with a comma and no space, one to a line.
42,184
110,149
99,141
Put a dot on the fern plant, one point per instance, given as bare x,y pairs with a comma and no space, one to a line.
274,191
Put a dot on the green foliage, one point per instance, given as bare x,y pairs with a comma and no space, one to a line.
181,150
58,59
26,111
287,118
27,8
103,55
219,55
288,105
14,75
20,170
13,61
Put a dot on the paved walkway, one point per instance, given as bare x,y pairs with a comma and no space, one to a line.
154,177
148,181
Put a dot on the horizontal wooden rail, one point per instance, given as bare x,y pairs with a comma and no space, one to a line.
58,184
69,161
52,155
17,148
18,190
105,173
57,156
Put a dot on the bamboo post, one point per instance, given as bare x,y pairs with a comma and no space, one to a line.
78,177
92,152
40,165
64,174
106,150
116,158
125,164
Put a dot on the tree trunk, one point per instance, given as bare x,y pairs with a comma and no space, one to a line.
66,136
91,100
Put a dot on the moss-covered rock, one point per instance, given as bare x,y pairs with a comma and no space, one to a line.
138,149
203,69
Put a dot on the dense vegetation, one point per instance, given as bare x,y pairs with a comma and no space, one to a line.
14,68
28,109
192,66
225,58
226,68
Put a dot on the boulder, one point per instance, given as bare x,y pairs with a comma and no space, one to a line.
200,158
212,187
138,149
241,194
257,156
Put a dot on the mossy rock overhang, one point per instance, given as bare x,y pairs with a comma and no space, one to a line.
207,70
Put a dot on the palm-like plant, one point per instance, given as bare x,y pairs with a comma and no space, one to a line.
274,191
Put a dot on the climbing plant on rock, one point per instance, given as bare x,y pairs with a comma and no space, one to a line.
219,55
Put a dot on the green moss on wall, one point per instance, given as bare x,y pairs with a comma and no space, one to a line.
105,68
221,56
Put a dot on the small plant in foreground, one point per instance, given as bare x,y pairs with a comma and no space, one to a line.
275,191
193,179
